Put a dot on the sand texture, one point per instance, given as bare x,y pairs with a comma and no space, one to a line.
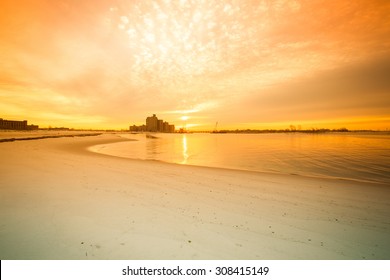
59,200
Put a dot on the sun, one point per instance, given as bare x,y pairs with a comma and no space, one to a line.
184,118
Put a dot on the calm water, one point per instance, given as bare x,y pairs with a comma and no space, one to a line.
357,156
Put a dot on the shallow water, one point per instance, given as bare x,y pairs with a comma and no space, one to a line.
357,156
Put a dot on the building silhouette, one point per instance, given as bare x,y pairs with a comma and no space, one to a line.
153,124
16,125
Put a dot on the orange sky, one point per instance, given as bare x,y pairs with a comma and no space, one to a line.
246,64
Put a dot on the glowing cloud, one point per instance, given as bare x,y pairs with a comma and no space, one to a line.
233,61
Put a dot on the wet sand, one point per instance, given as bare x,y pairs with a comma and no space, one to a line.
59,200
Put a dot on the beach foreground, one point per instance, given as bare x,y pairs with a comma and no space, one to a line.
58,200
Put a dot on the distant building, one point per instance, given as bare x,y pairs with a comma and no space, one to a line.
16,125
165,127
171,128
153,124
160,125
32,127
137,128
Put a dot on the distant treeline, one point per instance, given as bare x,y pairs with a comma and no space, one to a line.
313,130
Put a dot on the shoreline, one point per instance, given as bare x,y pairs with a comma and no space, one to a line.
60,201
12,139
89,148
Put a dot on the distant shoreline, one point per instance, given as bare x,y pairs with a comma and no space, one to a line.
310,131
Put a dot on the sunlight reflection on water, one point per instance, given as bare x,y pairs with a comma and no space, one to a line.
185,150
358,156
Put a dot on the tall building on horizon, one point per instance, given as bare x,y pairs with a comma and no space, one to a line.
153,124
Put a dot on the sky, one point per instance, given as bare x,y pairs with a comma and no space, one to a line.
244,64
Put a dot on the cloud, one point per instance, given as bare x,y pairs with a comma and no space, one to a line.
251,60
357,90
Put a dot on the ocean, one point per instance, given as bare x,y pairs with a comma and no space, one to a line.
349,155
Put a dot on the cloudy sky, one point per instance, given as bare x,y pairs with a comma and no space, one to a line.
243,63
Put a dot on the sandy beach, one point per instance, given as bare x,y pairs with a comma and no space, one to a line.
59,200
